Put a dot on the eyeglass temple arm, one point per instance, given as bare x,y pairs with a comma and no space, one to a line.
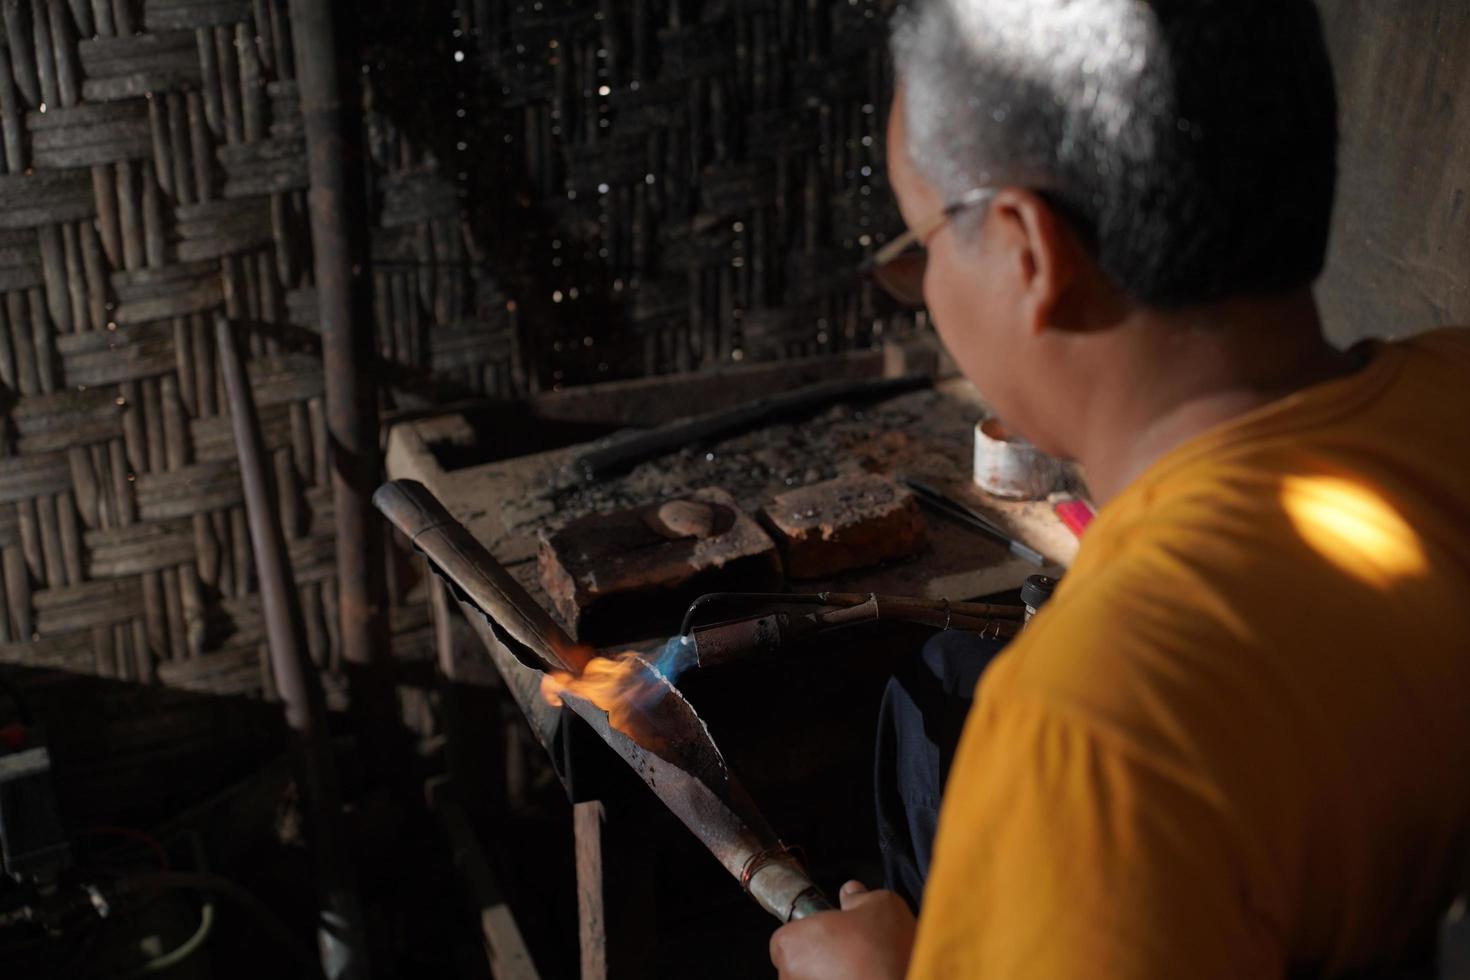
895,248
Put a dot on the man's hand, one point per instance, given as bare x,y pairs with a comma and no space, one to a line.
870,939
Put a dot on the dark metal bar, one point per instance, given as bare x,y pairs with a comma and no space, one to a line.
878,608
900,605
742,639
627,452
296,678
338,226
957,511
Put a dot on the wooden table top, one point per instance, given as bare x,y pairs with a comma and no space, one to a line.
927,435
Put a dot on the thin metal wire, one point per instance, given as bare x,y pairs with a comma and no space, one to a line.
765,856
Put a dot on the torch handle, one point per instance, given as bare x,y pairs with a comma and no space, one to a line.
810,903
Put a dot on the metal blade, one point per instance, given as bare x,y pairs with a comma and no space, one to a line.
669,747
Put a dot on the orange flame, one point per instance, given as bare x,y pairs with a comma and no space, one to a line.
624,686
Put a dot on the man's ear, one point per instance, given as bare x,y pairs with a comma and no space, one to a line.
1046,255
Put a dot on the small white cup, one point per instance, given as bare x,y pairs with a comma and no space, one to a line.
1008,466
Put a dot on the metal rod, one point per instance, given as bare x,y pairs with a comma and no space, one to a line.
741,639
974,610
336,202
769,598
957,511
625,453
296,678
876,610
977,610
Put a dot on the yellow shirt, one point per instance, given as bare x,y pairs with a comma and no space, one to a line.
1237,741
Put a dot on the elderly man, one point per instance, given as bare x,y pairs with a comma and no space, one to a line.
1236,742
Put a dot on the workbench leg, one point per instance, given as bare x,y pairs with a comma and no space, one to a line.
475,726
505,948
441,606
615,891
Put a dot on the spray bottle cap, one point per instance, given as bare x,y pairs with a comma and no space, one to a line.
1037,590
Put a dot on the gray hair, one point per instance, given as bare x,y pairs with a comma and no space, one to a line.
1023,91
1169,134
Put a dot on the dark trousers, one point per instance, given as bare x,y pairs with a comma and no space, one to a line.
919,725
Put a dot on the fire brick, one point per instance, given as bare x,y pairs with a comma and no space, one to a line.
629,574
850,522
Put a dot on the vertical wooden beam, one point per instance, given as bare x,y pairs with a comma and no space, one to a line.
475,726
505,948
338,207
615,890
296,679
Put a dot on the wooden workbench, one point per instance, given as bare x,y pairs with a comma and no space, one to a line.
926,435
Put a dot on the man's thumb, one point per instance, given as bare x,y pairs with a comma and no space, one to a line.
850,894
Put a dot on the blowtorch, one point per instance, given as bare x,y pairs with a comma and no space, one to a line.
777,626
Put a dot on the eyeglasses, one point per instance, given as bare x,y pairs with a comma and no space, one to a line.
898,267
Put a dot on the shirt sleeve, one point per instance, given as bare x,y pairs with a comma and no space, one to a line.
1063,852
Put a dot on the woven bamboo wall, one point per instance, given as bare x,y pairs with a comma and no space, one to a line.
656,185
563,191
154,177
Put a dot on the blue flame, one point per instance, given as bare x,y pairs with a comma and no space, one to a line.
646,688
674,658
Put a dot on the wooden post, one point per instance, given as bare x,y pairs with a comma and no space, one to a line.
615,889
475,724
342,950
505,948
337,204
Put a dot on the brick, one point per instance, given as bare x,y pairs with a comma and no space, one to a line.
630,574
842,524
